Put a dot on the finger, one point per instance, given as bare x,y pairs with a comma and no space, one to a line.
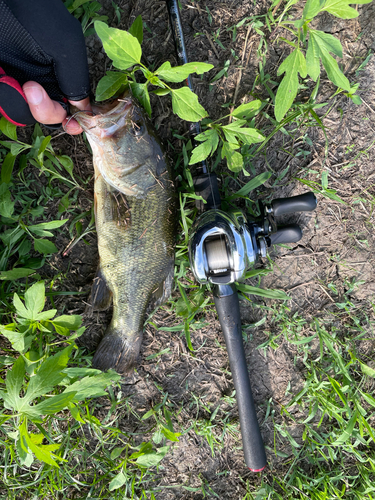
43,109
70,125
83,105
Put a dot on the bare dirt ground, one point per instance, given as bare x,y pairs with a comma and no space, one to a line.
338,241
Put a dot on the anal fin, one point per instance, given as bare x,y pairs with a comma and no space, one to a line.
163,291
101,295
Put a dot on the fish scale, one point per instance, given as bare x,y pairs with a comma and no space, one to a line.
136,234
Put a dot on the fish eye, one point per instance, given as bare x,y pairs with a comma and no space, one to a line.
137,129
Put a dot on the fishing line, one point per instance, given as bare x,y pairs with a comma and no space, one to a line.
75,114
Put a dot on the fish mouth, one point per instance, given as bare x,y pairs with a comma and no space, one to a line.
105,115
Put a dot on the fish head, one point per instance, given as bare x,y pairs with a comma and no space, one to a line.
126,150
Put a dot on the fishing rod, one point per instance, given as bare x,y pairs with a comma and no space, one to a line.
222,247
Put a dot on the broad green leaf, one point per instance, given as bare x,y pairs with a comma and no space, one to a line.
234,159
67,163
6,360
16,148
117,481
356,99
145,447
76,4
8,128
44,144
253,184
245,134
340,8
20,308
7,168
42,233
74,372
270,294
211,141
172,436
6,208
44,246
313,58
312,8
152,459
246,111
53,224
117,452
35,297
42,453
50,406
334,73
110,84
46,315
13,384
48,375
367,370
320,46
180,73
120,46
20,341
26,458
140,92
295,63
185,104
16,273
136,29
67,322
94,386
37,438
209,134
327,42
200,152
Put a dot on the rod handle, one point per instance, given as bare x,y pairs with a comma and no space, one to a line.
228,309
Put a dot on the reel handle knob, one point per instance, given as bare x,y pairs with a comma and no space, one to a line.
303,203
286,234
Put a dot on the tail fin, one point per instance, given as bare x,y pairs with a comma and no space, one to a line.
117,352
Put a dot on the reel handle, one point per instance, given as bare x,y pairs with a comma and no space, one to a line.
303,203
228,309
286,234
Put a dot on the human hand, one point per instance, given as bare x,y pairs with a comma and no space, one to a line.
43,64
47,111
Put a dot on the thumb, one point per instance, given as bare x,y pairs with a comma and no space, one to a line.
43,109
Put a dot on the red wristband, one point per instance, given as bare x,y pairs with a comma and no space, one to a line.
9,80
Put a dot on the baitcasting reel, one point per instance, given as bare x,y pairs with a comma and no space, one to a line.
223,246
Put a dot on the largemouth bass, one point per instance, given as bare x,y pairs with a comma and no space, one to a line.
135,224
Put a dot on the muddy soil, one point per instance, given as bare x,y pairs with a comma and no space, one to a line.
337,245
